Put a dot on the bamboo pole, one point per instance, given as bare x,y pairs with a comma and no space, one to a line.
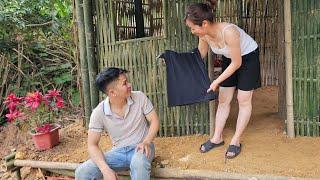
92,62
10,156
17,174
288,54
212,111
69,168
281,63
84,66
46,164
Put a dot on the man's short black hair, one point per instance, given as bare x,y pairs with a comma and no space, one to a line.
107,76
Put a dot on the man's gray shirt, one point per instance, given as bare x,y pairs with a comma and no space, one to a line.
123,131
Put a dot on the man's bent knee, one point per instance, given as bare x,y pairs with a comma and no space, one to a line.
87,171
140,167
139,160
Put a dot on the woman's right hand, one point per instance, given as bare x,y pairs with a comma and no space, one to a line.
203,48
213,86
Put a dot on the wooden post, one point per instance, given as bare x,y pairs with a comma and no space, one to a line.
92,62
85,87
139,18
239,13
288,55
281,63
212,111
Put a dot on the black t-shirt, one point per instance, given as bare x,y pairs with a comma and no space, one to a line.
187,78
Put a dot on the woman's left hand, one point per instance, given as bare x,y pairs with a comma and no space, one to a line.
214,85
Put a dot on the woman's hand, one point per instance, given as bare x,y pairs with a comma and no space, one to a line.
214,85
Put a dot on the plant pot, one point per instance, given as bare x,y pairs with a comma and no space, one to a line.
44,141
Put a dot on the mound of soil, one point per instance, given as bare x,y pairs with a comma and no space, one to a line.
266,149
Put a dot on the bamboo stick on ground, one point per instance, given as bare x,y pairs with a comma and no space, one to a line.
68,170
46,164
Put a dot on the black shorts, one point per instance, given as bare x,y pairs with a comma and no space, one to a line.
247,77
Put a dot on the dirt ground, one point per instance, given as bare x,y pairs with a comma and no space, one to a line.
266,149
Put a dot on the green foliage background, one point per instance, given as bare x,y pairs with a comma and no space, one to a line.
37,50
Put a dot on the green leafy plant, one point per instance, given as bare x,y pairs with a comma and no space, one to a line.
37,50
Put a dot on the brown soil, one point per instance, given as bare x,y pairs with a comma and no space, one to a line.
266,149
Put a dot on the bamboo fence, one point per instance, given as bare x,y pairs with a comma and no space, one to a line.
165,29
306,66
260,19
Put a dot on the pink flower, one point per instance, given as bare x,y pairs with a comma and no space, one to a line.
44,129
35,109
12,101
54,99
33,100
59,102
53,94
13,115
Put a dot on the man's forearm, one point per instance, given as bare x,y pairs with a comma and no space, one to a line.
98,158
153,130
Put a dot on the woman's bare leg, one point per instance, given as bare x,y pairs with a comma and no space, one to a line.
225,98
245,109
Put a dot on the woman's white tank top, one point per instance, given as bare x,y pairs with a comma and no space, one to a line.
247,43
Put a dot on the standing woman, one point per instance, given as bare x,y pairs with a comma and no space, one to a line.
240,66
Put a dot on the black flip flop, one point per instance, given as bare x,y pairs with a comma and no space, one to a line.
208,145
233,149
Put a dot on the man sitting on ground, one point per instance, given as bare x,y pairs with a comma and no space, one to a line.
130,121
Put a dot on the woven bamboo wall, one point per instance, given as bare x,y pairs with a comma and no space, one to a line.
262,20
258,17
306,66
146,72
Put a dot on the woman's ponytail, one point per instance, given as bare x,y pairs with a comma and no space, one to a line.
198,12
211,4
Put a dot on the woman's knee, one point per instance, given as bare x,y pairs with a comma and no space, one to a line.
226,95
224,100
244,98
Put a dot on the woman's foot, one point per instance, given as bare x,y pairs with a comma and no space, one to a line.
208,145
234,142
233,151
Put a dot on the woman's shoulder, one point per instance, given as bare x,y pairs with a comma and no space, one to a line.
222,25
230,29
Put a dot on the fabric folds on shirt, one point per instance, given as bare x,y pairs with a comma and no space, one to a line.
187,78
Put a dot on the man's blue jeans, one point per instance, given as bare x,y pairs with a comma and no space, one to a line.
119,159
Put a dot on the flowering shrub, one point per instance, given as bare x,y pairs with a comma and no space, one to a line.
35,110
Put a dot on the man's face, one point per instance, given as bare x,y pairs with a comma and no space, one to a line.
122,87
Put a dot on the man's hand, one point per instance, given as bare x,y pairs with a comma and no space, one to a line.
109,174
144,147
214,85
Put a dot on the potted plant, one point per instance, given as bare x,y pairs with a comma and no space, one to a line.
38,113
